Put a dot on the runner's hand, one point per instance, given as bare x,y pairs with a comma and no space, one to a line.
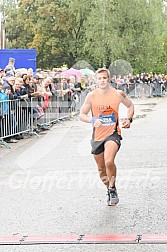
96,122
126,123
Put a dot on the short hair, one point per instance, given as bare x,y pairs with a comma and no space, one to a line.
26,77
100,70
19,80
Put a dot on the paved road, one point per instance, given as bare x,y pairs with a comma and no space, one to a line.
50,185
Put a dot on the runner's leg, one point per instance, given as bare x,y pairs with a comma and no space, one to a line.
111,149
101,168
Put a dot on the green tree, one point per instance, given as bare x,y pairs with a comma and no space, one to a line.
125,30
99,32
56,29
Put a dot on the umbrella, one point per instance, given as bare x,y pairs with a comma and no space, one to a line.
87,72
72,71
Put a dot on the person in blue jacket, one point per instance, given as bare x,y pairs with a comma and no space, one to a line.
4,96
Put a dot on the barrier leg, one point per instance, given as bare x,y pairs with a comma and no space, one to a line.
2,142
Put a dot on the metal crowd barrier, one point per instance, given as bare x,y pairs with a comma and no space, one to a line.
18,116
14,119
21,116
57,109
138,90
60,107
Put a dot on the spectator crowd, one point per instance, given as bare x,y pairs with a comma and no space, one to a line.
25,86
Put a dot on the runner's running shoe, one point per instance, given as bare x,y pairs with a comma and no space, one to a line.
112,196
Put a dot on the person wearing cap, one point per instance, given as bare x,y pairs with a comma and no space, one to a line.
6,76
10,66
9,74
10,80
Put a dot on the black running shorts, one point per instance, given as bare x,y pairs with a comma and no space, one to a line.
98,146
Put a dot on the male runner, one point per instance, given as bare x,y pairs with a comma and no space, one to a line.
103,103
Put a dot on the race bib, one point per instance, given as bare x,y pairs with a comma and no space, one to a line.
108,120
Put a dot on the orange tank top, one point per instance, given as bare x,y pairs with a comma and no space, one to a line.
105,107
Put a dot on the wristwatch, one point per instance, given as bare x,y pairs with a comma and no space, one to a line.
130,119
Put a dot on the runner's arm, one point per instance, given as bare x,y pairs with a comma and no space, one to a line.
86,107
128,103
